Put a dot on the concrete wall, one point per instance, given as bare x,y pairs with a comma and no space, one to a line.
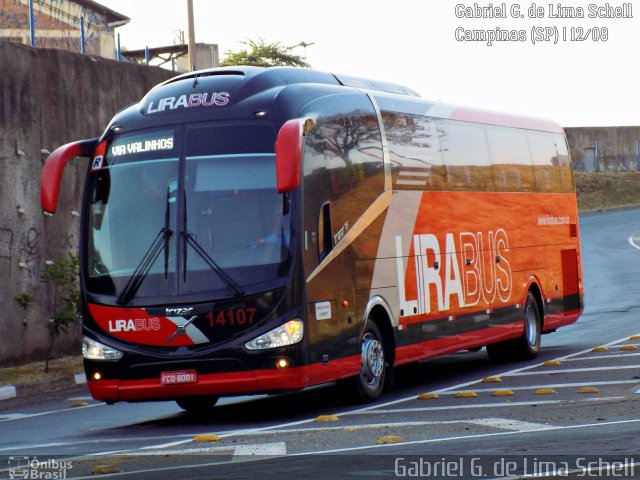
617,148
48,98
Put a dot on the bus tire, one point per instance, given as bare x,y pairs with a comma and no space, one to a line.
197,404
367,386
527,346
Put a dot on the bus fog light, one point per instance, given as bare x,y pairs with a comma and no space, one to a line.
92,350
282,363
96,376
288,334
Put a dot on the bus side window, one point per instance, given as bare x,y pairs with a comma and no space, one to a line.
414,151
511,160
466,156
325,240
564,163
545,162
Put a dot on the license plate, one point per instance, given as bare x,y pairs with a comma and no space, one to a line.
182,376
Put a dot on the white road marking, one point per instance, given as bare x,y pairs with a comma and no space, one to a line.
472,382
509,424
500,405
41,445
602,357
29,446
547,385
365,426
275,449
12,416
573,370
248,431
633,243
187,451
50,412
465,437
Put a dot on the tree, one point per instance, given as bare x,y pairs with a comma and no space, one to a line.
63,274
261,54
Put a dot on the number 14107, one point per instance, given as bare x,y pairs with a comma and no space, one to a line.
231,318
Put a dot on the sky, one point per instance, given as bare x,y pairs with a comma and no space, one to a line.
424,45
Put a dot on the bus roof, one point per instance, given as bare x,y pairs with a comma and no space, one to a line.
419,106
290,75
251,89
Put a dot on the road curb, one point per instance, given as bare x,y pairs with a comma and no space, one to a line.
11,392
7,393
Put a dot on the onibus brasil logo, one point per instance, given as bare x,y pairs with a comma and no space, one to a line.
21,467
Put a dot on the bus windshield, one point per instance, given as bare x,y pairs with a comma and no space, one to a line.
186,212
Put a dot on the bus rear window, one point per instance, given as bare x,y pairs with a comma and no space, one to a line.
230,139
234,172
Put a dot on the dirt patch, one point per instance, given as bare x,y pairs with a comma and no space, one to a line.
607,190
61,370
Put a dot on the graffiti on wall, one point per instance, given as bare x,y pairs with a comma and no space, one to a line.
57,24
30,249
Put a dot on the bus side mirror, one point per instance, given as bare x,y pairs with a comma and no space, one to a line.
54,168
289,156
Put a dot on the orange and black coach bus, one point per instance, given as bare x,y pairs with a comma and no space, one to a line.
250,230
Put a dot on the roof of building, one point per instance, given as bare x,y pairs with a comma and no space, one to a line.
111,15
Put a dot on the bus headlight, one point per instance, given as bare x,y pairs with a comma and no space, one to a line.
288,334
92,350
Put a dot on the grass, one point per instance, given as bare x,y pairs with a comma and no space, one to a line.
33,373
607,190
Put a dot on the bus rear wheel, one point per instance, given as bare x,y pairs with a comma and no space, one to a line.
527,346
197,404
368,384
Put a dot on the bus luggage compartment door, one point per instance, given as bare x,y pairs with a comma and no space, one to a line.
570,281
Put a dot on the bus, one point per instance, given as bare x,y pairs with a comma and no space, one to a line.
248,230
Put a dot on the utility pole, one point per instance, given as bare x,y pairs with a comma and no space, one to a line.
305,45
192,36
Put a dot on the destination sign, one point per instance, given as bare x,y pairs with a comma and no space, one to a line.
160,141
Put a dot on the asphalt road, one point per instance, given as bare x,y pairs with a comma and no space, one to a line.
578,412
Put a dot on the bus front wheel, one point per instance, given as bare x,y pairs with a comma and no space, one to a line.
197,404
368,384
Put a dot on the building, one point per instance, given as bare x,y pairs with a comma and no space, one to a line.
176,57
60,24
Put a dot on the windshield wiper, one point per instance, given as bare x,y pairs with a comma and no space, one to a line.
190,239
161,242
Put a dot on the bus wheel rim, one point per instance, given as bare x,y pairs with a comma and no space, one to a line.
372,359
531,326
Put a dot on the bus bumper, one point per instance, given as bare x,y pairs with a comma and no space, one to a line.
218,384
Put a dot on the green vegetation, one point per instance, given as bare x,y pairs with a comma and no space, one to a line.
24,301
261,54
607,190
63,275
